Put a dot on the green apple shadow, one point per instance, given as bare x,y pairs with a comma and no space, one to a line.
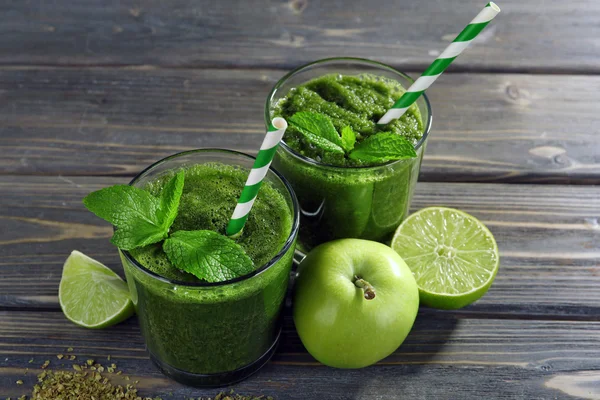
430,334
298,374
418,354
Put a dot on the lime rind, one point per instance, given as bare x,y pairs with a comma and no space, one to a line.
453,256
91,294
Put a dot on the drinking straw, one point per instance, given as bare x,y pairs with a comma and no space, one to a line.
458,45
257,174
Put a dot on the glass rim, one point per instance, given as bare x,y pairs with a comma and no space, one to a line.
284,249
356,60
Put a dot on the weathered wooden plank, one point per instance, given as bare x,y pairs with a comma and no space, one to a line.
527,35
512,359
506,128
549,238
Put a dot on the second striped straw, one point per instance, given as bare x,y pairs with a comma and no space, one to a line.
257,175
441,63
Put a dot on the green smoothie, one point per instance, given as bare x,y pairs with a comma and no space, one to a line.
215,328
357,101
341,197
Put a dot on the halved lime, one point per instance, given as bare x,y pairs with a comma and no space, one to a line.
91,294
453,256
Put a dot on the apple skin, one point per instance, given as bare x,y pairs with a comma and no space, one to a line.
336,323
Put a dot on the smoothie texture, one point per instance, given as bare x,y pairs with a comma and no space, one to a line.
343,197
209,197
357,101
215,328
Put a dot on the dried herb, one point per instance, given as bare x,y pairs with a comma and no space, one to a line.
84,382
87,382
81,384
66,385
233,396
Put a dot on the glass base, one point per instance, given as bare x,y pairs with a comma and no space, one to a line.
219,379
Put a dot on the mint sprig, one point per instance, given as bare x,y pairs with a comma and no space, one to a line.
313,124
383,147
142,219
319,131
207,255
169,199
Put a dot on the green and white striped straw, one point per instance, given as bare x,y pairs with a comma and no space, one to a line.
257,174
458,45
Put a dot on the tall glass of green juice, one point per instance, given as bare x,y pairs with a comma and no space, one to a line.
214,334
347,198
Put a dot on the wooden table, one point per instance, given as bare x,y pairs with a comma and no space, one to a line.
92,92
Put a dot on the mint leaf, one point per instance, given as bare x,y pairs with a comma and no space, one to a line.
382,147
207,255
140,218
323,143
316,124
348,138
169,199
132,211
138,234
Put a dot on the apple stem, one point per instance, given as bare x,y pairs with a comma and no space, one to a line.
366,286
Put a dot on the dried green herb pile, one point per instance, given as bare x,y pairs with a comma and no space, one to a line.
232,396
86,381
90,381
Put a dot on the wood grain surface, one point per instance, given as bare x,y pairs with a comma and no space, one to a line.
92,92
439,360
529,36
116,121
548,237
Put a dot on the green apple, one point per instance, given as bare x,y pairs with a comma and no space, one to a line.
355,302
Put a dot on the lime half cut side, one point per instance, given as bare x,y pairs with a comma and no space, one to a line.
91,294
453,256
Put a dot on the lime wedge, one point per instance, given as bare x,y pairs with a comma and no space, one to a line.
91,294
452,255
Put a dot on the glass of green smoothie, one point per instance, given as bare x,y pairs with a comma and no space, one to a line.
342,197
214,334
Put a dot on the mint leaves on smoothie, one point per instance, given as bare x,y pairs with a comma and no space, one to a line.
348,139
316,124
169,199
318,130
207,255
142,219
381,147
357,101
